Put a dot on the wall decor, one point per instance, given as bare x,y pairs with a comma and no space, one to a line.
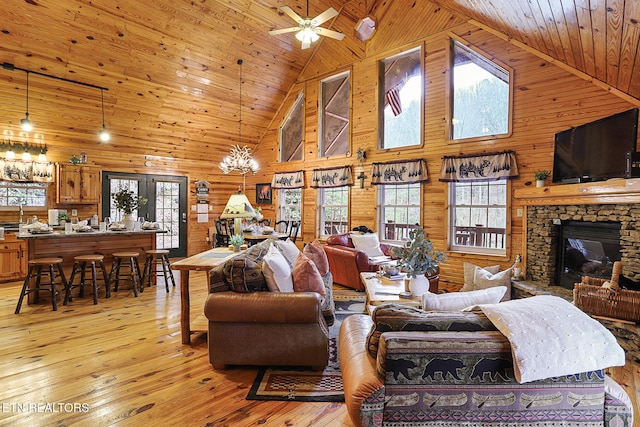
263,194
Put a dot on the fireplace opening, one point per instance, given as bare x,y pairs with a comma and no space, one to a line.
586,249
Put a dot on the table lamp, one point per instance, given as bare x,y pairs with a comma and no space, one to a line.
238,207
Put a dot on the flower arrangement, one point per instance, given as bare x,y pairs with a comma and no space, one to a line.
236,240
417,256
127,202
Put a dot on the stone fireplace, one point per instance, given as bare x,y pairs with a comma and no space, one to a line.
545,237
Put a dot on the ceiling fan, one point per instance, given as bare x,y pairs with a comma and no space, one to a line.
308,29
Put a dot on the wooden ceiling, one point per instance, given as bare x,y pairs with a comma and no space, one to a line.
171,70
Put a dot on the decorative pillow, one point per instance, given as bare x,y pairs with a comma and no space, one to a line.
277,271
315,252
483,280
470,271
398,317
288,249
456,301
367,243
244,275
306,277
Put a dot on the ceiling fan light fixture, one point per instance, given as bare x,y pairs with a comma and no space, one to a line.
307,35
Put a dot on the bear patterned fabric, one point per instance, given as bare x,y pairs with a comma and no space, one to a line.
460,377
244,275
398,317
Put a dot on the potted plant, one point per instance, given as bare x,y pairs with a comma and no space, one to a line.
63,217
541,177
236,241
417,258
126,202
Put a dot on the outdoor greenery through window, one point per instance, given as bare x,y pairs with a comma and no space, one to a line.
25,194
335,96
479,216
400,99
290,204
291,132
481,95
333,204
399,210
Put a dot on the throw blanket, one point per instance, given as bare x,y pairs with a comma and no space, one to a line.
550,337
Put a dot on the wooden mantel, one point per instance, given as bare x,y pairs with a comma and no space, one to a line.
605,192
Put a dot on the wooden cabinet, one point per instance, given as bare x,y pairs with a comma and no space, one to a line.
13,258
79,184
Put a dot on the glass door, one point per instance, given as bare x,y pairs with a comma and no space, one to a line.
166,205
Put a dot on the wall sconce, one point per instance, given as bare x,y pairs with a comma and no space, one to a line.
361,156
27,150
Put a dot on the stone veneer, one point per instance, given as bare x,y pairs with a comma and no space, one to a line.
542,244
542,236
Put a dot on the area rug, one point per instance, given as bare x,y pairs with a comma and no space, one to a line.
305,385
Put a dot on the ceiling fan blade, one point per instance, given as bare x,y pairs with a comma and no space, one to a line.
329,33
283,31
292,14
325,16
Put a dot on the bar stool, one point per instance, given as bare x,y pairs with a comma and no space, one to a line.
134,270
81,262
35,271
155,257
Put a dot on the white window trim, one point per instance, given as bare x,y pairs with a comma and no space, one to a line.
320,210
380,213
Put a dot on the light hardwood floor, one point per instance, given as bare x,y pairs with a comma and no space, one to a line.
122,363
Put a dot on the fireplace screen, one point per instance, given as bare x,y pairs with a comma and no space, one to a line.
586,249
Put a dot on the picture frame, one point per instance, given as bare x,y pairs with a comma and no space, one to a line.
263,194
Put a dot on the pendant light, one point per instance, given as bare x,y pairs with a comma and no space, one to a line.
25,123
104,134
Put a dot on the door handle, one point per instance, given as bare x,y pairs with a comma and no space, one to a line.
184,217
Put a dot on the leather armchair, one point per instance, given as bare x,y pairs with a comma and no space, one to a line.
346,262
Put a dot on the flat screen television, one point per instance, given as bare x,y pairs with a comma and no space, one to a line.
595,151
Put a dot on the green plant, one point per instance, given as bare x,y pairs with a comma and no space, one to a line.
542,175
63,216
236,240
417,255
126,201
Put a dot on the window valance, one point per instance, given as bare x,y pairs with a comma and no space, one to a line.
287,180
399,172
21,171
332,177
486,167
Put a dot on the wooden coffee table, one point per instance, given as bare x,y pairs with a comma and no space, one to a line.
381,290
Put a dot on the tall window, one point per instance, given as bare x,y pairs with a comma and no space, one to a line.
481,95
335,98
22,193
291,132
399,207
333,203
400,100
479,216
290,204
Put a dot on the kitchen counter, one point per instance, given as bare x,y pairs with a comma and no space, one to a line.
95,233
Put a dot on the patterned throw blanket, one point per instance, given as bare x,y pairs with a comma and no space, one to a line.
550,337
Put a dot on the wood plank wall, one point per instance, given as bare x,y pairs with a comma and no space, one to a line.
547,99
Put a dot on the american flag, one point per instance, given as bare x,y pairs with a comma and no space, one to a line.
393,99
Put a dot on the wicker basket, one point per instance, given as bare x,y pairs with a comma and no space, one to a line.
615,303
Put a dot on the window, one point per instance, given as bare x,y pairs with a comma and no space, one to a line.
22,193
291,132
400,100
335,98
481,95
479,216
289,204
399,210
333,204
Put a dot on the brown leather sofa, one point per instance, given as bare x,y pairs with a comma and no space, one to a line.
266,328
346,262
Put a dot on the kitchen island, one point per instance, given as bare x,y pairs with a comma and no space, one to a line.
68,245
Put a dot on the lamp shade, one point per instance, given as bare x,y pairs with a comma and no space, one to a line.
238,206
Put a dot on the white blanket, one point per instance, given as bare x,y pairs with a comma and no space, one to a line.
550,337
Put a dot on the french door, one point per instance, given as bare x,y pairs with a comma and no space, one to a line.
166,205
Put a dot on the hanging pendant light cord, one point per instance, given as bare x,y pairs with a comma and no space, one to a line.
240,112
27,112
102,96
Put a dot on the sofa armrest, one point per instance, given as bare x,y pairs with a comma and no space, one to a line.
363,388
264,307
360,259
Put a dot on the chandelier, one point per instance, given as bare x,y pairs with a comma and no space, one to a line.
239,160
